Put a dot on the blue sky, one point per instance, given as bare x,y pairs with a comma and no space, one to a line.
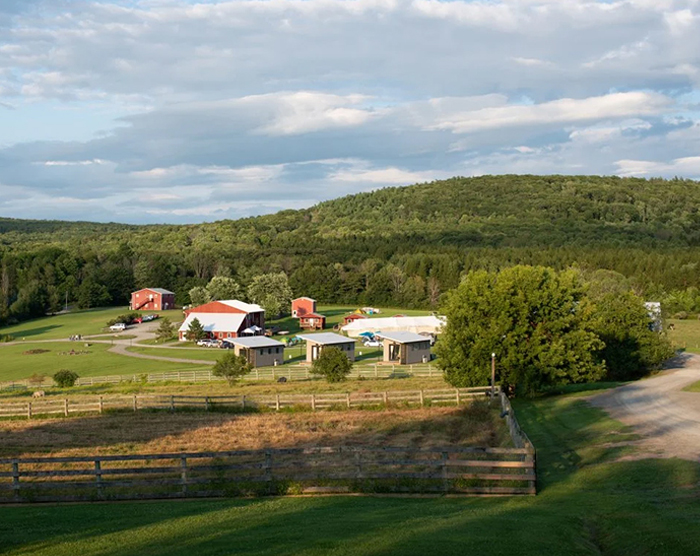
177,111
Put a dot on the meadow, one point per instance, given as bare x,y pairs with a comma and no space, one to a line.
588,503
685,333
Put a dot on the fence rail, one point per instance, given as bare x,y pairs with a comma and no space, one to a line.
475,471
288,372
79,405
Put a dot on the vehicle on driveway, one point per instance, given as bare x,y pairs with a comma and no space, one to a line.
118,327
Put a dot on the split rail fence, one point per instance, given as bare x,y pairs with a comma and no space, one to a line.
288,372
471,471
80,405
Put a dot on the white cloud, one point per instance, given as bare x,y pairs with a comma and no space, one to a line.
687,167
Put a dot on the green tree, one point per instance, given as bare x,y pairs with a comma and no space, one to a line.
199,295
332,364
223,287
65,378
195,331
632,348
166,330
531,317
232,367
272,292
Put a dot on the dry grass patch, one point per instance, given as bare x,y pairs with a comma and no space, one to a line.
476,424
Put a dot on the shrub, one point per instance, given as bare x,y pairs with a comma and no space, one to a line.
232,367
7,338
681,315
65,378
332,364
126,318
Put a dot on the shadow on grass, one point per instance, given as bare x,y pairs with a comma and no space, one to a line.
20,335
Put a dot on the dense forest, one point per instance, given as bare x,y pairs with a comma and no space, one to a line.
397,246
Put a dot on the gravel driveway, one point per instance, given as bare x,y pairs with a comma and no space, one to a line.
667,418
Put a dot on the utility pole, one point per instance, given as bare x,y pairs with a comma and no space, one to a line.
493,375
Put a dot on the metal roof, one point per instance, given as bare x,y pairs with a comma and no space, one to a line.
215,322
326,338
254,342
403,337
242,305
157,290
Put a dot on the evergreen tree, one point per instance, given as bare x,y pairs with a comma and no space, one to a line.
195,331
166,330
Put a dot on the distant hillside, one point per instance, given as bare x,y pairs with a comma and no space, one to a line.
397,246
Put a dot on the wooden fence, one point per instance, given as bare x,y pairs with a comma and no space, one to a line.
80,405
473,471
289,372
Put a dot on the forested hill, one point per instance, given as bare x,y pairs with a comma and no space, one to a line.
398,246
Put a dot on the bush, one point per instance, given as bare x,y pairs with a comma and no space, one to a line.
332,364
682,315
126,318
7,338
65,378
232,367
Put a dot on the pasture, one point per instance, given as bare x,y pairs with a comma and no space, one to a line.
588,503
685,333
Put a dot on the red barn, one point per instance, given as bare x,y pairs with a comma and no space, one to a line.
226,319
152,299
303,306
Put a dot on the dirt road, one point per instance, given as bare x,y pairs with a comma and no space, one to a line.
667,418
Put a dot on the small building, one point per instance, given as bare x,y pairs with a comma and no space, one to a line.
254,314
418,325
226,319
347,319
258,350
303,306
152,299
405,348
312,321
316,343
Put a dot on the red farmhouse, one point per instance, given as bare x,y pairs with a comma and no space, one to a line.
303,306
152,299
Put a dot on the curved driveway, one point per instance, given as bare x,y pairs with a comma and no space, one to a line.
667,418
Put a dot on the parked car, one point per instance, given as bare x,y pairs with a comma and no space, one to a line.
118,327
148,318
372,343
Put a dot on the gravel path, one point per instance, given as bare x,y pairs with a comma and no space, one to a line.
667,418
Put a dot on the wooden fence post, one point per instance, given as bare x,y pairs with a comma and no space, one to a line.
313,402
65,407
243,402
98,478
386,399
172,403
347,399
445,470
457,396
206,403
15,480
183,475
277,402
136,403
268,465
358,464
422,401
101,404
29,410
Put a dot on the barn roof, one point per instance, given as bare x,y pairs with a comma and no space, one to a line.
215,322
242,305
157,290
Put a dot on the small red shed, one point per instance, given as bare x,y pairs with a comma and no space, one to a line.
352,317
152,299
303,306
312,321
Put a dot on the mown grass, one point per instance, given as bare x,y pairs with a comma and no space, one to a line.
18,362
686,334
589,504
86,322
693,387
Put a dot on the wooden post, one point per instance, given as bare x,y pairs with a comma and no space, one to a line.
313,402
277,402
386,399
347,399
101,404
493,375
206,403
98,478
65,407
243,402
358,464
422,401
257,374
172,402
136,403
268,465
15,480
445,480
457,396
29,410
183,475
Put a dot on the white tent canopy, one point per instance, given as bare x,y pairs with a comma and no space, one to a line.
417,325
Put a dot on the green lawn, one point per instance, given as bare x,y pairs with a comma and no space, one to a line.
92,321
588,505
17,364
693,387
686,334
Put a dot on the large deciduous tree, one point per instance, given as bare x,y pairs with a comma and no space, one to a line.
272,292
332,364
532,318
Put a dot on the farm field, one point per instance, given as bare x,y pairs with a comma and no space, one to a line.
475,424
686,333
86,322
589,503
22,360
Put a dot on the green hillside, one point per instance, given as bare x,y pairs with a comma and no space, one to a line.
396,246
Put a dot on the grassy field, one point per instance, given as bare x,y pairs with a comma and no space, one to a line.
693,387
686,334
589,504
88,322
475,424
24,360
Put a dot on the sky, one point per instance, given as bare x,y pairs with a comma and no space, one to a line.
150,111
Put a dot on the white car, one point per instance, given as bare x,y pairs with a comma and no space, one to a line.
372,343
118,327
